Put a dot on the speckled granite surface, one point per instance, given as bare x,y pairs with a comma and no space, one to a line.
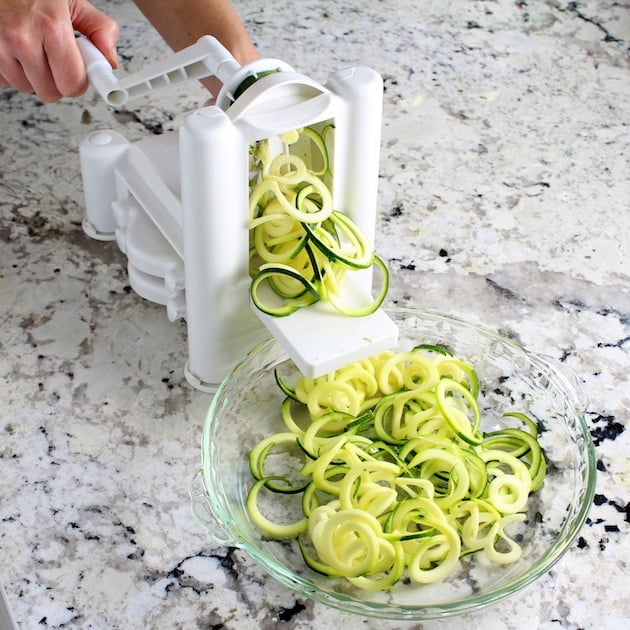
504,198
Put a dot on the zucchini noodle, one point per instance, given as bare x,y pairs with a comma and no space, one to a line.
301,247
395,477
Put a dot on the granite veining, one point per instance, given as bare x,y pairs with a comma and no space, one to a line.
503,198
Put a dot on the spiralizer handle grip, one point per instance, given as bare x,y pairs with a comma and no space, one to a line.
100,73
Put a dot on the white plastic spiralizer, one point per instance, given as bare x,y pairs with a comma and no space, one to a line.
177,203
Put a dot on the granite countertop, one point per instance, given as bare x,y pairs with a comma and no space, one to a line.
504,198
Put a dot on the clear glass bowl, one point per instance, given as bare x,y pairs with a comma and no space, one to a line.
246,408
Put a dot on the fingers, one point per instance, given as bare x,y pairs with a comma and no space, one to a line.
24,66
20,82
100,28
64,62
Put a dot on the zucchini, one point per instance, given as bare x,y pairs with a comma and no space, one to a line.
395,477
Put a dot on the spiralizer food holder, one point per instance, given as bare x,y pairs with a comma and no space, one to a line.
177,203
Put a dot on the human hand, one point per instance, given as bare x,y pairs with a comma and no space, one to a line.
38,51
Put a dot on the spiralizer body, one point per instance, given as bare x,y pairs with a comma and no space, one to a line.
177,204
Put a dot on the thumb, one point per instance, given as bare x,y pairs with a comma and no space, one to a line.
98,27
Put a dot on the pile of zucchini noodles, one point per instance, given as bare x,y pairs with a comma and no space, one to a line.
391,471
300,246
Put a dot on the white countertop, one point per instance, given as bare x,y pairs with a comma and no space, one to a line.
504,198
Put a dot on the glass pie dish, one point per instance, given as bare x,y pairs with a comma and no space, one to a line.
246,408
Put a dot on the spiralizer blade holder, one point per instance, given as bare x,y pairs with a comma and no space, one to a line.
177,203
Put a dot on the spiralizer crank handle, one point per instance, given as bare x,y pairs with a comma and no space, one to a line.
205,58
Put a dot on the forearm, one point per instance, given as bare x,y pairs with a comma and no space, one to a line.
183,22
